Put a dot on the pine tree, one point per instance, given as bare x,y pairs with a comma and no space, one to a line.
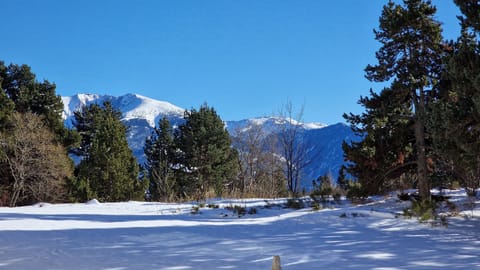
385,152
410,57
471,13
160,154
342,181
108,170
208,161
455,119
28,95
6,110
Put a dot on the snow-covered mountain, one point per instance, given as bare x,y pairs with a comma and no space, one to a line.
323,142
269,125
132,107
141,114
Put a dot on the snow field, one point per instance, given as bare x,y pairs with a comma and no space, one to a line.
142,235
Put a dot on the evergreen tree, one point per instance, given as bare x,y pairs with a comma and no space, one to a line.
471,13
108,170
410,57
385,152
160,154
455,122
6,110
28,95
342,181
207,162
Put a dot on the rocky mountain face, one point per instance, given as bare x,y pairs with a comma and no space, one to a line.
141,114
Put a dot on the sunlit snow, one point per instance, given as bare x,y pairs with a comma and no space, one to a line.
147,235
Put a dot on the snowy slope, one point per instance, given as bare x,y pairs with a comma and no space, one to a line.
140,114
268,124
144,235
132,107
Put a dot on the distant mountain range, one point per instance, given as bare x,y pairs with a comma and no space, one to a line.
141,114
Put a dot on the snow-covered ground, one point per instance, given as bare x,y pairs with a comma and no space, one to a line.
143,235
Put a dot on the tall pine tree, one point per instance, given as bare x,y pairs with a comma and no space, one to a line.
160,154
385,153
410,57
455,122
108,170
208,161
19,84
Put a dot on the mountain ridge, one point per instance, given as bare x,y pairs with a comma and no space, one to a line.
141,114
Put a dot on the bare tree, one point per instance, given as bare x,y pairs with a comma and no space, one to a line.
260,166
293,146
37,165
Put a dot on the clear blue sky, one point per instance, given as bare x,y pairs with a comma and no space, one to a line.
244,57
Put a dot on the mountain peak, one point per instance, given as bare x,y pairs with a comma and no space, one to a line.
132,106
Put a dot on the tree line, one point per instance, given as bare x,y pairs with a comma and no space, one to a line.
195,160
423,129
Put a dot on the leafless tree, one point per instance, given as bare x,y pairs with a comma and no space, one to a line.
37,165
293,146
260,166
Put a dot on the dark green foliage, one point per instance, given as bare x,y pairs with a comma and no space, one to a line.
455,116
295,203
471,11
386,151
424,210
33,161
322,188
207,162
108,170
160,154
29,95
6,110
342,181
411,59
356,192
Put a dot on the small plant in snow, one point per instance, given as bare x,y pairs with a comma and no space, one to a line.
424,210
252,211
195,210
295,203
316,206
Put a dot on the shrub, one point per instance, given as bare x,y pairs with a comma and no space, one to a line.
356,192
195,210
424,210
337,197
213,206
316,206
295,203
238,210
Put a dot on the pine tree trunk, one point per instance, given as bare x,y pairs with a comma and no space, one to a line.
423,183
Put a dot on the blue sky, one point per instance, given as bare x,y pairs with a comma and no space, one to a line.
245,58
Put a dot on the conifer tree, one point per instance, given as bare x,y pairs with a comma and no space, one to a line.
208,161
19,84
108,170
385,151
455,122
31,106
410,57
160,154
6,110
